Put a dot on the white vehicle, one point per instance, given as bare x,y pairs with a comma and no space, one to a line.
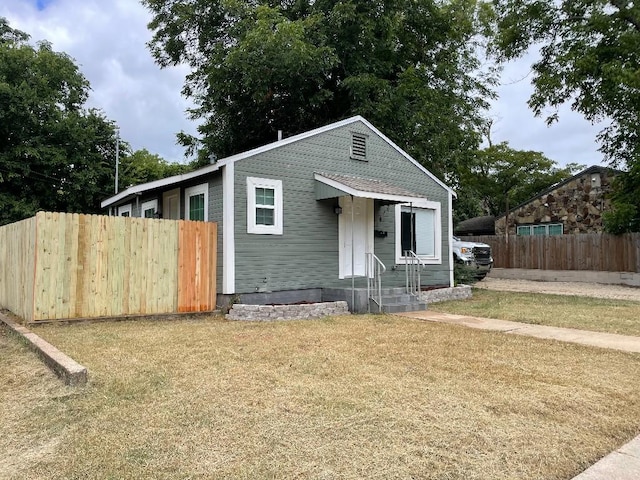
476,256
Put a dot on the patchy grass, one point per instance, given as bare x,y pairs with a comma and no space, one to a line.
350,397
585,313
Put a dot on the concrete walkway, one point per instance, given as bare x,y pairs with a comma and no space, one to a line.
624,463
625,343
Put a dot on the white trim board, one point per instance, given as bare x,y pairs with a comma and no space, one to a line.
228,230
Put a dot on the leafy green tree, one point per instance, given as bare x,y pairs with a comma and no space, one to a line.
142,166
625,202
409,66
54,155
501,177
589,57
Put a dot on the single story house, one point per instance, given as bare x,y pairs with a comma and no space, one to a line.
572,206
307,218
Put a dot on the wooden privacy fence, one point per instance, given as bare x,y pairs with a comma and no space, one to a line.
65,266
594,252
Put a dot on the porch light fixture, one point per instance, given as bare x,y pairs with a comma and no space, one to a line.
337,210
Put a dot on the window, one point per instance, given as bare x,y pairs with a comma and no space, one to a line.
196,200
124,210
149,209
418,228
358,146
540,229
556,229
417,231
264,206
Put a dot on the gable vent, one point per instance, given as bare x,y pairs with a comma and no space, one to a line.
358,146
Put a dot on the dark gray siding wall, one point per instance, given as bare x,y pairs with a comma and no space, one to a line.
306,255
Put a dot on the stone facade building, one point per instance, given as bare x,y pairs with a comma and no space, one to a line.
572,206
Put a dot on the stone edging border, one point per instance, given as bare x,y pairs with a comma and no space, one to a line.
70,371
461,292
305,311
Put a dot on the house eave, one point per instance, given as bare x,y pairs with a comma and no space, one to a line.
131,192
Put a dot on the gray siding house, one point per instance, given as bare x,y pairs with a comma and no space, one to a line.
298,219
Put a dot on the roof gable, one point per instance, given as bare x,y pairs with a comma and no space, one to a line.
144,187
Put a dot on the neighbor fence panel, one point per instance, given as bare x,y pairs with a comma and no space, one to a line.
87,266
592,252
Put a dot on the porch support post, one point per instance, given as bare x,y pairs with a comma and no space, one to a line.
353,273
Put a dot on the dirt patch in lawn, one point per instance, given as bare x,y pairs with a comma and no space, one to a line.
347,397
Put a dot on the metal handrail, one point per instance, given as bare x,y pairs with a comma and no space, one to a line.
375,269
412,272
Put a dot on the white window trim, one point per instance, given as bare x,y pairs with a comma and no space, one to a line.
124,209
148,205
278,216
197,190
435,259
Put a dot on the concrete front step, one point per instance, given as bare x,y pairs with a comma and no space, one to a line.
414,306
402,298
395,303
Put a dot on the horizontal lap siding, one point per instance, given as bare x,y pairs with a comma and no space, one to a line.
306,255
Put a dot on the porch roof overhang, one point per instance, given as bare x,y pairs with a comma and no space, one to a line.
333,186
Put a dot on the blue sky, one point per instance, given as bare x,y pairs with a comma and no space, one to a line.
42,4
107,39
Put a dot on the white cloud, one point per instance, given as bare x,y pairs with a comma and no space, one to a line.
108,42
571,139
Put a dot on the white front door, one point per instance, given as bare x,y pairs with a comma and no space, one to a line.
355,235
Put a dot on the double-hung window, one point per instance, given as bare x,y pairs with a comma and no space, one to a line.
196,200
418,229
264,206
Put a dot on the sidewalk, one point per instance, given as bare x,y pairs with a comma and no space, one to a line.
622,464
625,343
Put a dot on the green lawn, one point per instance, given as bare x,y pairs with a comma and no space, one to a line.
600,315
